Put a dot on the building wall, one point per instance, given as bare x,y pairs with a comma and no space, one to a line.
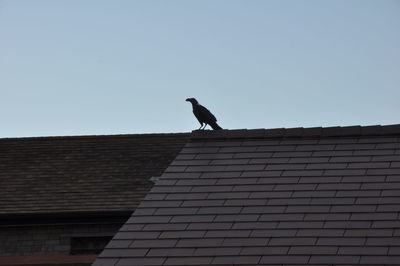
39,239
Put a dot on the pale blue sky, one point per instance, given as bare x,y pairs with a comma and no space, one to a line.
117,67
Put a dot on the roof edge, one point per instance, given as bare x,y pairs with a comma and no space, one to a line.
48,259
337,131
85,137
63,217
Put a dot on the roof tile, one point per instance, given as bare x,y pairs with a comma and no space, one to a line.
226,233
157,243
255,133
285,259
365,232
341,241
297,241
363,250
192,218
294,132
273,232
320,232
200,242
188,261
371,130
312,131
380,260
105,262
224,251
124,252
275,132
140,261
264,250
209,226
165,227
237,260
240,242
306,250
332,131
170,252
334,259
352,130
254,225
236,218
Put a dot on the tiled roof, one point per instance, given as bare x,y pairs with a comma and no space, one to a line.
317,196
81,174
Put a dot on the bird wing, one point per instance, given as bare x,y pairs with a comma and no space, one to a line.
204,115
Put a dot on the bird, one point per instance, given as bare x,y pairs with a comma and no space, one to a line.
204,116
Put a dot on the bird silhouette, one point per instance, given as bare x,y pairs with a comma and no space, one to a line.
204,116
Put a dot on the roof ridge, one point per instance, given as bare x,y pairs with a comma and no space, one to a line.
335,131
94,136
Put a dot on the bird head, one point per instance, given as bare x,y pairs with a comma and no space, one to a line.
192,100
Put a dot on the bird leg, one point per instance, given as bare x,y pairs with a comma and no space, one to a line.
201,125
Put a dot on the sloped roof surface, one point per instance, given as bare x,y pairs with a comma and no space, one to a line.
316,196
84,173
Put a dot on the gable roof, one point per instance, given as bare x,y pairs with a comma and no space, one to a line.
301,196
83,173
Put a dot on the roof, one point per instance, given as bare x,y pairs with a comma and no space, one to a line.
301,196
82,173
48,260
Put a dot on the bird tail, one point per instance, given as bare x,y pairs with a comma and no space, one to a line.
215,126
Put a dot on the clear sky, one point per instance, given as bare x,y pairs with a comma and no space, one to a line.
70,67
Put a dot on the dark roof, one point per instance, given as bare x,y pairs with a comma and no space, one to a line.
83,173
316,196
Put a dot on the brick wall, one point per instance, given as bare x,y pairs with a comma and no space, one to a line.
37,239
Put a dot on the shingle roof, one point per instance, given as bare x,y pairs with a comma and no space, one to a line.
313,196
81,174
